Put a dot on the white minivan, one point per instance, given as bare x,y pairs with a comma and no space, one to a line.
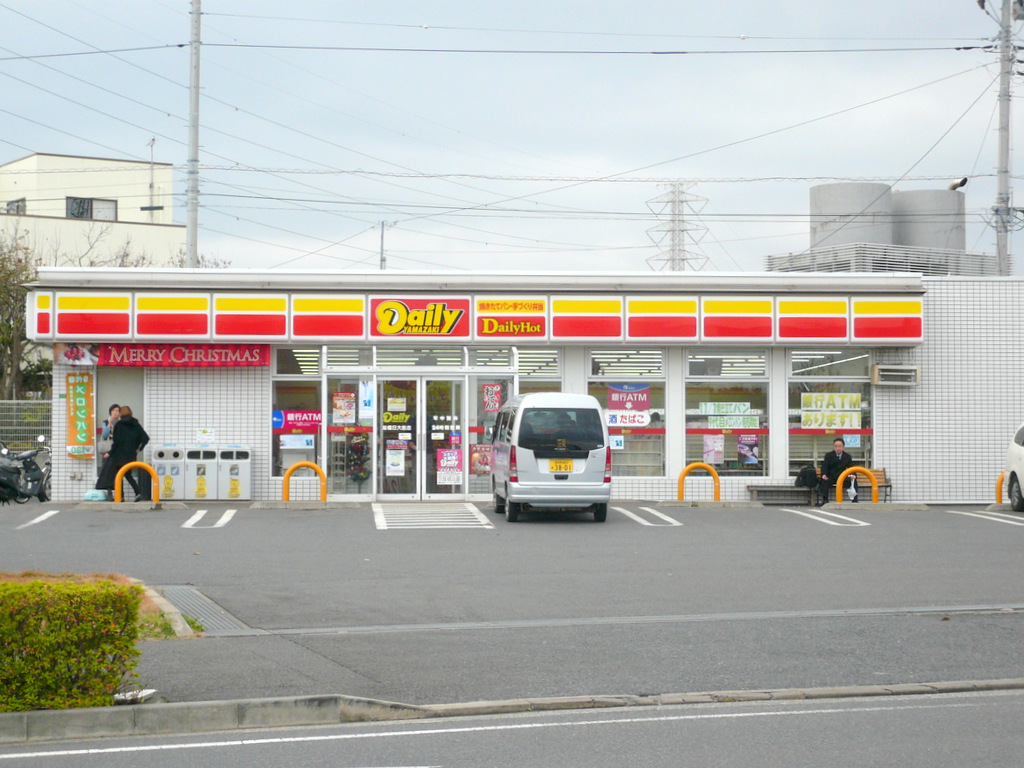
550,450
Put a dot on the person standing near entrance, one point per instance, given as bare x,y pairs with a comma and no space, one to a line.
833,465
106,436
128,439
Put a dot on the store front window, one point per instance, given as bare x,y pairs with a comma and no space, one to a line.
295,418
829,397
350,418
486,396
727,410
540,370
296,425
630,385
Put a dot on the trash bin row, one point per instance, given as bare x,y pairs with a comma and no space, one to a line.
203,472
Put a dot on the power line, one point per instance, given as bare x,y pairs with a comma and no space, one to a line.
586,52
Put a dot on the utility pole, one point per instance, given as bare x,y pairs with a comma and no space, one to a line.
383,258
192,171
1003,212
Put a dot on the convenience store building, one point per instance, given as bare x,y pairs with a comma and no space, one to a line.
389,381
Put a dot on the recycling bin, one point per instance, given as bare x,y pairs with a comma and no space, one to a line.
234,473
201,472
169,463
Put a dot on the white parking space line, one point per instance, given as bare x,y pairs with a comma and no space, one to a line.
44,516
995,517
224,519
633,516
832,519
662,515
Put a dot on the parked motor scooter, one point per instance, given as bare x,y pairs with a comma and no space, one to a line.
22,477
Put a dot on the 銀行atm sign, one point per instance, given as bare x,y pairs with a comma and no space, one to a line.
401,318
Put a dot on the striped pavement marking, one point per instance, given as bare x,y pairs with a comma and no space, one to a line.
429,515
200,514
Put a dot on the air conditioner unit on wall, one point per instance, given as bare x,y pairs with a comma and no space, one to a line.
896,375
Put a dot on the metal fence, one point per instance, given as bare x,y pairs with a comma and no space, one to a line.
23,421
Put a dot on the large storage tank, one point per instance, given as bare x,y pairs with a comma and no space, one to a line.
851,212
929,218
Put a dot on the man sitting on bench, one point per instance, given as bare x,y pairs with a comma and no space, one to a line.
832,466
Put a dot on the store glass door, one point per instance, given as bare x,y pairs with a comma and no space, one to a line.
420,443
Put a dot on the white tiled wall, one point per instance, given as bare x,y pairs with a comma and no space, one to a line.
946,439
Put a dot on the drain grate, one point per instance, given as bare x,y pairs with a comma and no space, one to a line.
215,620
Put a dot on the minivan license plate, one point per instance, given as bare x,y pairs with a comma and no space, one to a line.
560,465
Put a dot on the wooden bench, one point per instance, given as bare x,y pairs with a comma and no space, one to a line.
783,494
884,484
791,494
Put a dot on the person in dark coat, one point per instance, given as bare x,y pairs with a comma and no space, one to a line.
128,439
832,466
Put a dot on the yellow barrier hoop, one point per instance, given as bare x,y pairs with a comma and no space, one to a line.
700,465
860,471
118,491
300,465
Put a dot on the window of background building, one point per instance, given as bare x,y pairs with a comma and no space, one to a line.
630,385
727,410
296,416
829,397
17,207
90,208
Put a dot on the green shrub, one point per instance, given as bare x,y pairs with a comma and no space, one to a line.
66,645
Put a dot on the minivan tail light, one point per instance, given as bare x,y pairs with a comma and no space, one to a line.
608,465
513,469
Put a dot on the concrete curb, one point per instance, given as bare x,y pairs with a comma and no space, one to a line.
208,716
711,504
831,506
881,506
125,506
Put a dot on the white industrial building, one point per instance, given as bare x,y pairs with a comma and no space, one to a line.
870,227
91,211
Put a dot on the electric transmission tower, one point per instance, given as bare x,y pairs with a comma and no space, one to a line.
679,232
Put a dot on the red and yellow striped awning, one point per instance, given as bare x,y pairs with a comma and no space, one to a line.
168,316
587,318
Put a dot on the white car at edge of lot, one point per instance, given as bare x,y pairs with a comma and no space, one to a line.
1015,470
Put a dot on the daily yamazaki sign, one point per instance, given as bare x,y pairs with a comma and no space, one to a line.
184,355
447,318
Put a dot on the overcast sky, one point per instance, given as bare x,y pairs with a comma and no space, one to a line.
513,135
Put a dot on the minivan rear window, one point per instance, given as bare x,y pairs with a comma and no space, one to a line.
566,429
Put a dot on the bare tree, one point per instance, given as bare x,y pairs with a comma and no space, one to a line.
93,251
205,262
26,365
17,267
